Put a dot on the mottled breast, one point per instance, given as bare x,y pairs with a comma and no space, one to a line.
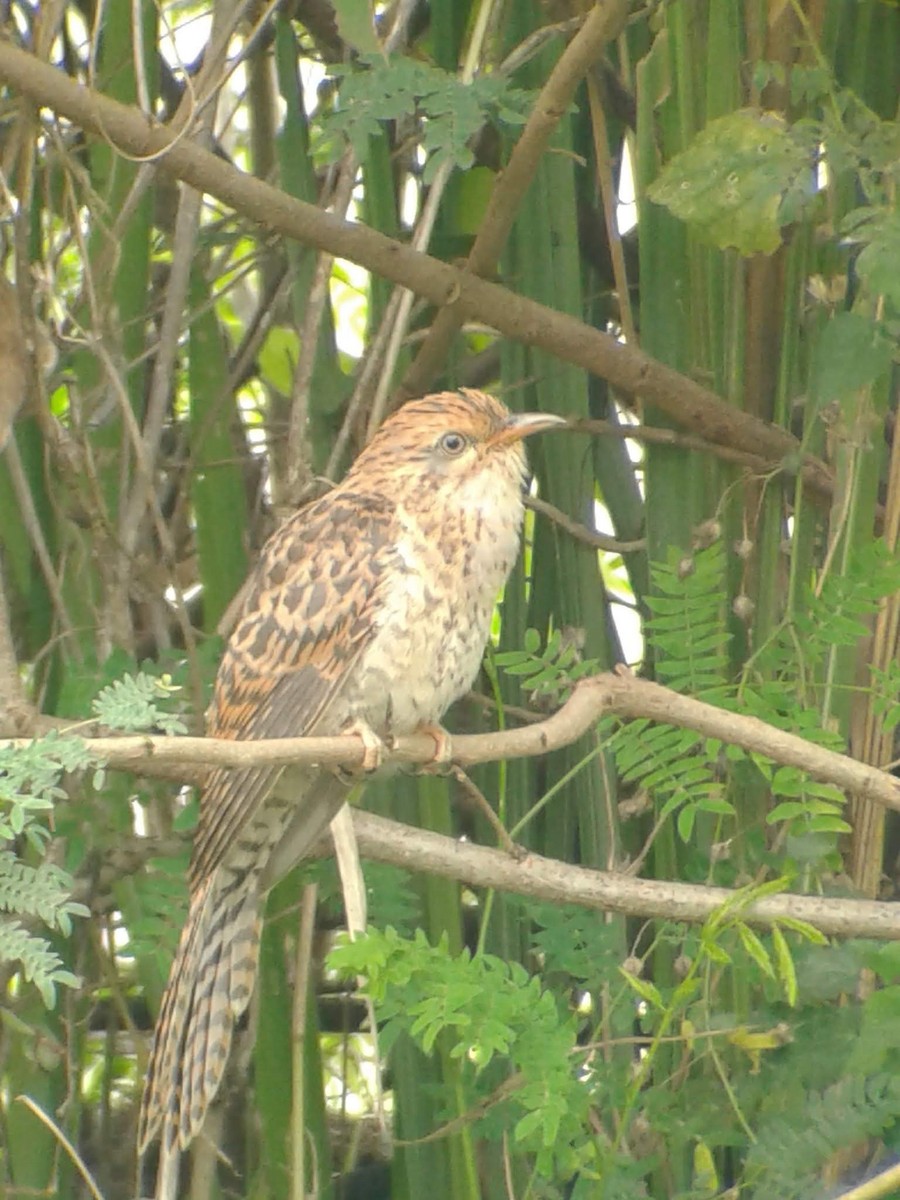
435,617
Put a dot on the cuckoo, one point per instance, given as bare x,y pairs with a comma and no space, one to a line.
368,613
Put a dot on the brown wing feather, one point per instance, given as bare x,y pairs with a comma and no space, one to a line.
307,619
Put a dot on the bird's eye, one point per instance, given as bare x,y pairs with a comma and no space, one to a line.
452,444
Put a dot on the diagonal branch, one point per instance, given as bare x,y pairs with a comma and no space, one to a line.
626,368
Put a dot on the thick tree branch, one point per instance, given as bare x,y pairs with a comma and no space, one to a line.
615,693
531,875
630,371
561,883
14,706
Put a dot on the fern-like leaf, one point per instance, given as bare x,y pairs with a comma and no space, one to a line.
686,626
41,965
788,1153
41,892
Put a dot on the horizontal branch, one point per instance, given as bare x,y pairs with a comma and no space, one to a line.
626,368
386,841
614,693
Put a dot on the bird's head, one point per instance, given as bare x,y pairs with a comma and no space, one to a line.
464,440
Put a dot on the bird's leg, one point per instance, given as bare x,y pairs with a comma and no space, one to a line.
373,746
443,743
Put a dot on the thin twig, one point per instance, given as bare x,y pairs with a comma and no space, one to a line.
474,792
399,312
187,229
14,703
610,206
298,456
73,1154
600,541
302,973
673,437
31,521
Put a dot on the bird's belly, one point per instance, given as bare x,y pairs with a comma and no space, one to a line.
426,652
418,665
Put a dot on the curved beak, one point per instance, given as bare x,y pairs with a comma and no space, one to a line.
523,425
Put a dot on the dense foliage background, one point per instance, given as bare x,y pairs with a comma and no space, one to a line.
686,212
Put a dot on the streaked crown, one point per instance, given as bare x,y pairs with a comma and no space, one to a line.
450,435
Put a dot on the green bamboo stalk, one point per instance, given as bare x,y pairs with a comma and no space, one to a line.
217,482
329,385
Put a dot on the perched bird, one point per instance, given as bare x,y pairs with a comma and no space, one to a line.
368,612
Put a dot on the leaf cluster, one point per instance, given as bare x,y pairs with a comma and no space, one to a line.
548,674
687,774
749,173
31,786
30,783
140,704
481,1010
449,111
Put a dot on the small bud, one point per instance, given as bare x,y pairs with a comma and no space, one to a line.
633,965
706,533
634,806
743,607
743,548
686,567
682,965
720,851
574,636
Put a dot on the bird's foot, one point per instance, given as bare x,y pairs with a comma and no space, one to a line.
373,747
443,743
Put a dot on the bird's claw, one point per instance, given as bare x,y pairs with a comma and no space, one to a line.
373,747
443,745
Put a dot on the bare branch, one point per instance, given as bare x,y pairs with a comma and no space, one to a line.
614,693
541,878
603,24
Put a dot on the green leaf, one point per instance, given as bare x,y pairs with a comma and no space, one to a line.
528,1125
685,821
645,989
788,811
733,180
531,641
755,949
804,929
878,263
787,973
278,357
852,351
356,25
825,824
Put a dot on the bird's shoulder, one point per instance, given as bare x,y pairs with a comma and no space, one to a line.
309,610
342,526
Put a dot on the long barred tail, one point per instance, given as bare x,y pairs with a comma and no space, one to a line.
209,987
